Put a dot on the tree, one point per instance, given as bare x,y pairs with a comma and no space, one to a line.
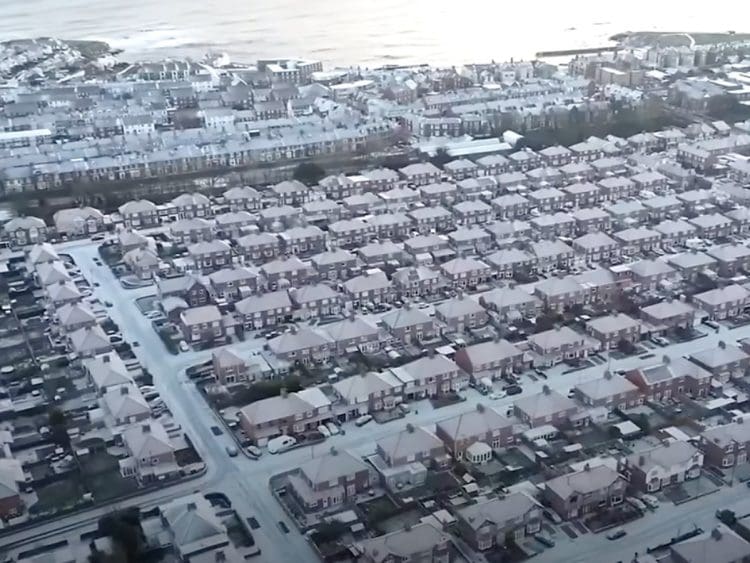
58,425
328,532
309,173
123,527
441,157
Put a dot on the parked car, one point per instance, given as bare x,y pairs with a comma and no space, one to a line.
545,540
281,444
323,430
710,323
332,428
616,534
184,346
364,419
513,389
637,503
254,452
231,451
498,395
650,500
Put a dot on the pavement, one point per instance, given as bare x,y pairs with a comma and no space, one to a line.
245,481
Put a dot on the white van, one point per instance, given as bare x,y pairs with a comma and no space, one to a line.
280,444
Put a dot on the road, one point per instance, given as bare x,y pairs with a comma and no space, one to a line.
245,481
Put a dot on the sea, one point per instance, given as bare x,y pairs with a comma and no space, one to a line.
365,33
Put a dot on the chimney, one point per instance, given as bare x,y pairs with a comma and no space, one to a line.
220,556
284,393
146,429
587,467
716,533
191,506
105,359
124,390
641,460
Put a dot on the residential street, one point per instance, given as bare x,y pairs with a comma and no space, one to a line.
245,481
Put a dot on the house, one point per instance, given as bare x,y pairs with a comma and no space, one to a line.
616,188
662,207
732,258
470,240
493,522
723,361
322,211
591,220
328,481
107,371
302,345
675,232
511,206
409,324
290,192
668,315
551,254
511,303
261,311
429,376
202,324
233,284
560,344
367,393
547,200
597,246
373,286
721,544
260,247
22,231
128,239
234,223
561,293
510,262
193,289
73,316
353,334
415,444
229,367
195,532
552,225
350,233
493,164
211,255
142,262
279,217
491,359
194,229
508,232
89,341
243,198
423,542
461,313
287,271
11,503
313,301
582,194
425,244
289,413
650,181
727,445
609,391
440,193
192,205
51,273
592,489
417,281
546,407
78,221
363,204
421,173
483,424
303,241
125,405
63,292
461,168
692,263
670,463
433,219
712,225
637,240
396,226
723,302
473,212
649,275
612,330
626,213
674,379
337,264
150,453
381,253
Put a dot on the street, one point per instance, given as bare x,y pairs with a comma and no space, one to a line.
245,481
